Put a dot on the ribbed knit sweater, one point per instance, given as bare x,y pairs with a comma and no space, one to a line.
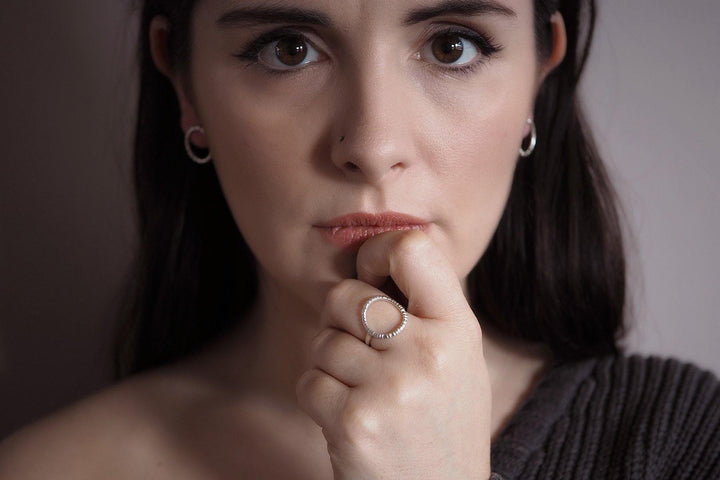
615,418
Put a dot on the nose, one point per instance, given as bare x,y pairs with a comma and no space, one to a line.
372,138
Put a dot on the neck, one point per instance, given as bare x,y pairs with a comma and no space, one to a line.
269,351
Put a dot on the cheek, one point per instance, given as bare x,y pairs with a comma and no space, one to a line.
480,190
489,152
480,160
257,154
265,167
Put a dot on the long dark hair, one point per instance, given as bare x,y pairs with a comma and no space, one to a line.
554,271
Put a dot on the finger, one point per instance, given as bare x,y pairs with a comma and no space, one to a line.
321,396
343,356
343,305
343,310
419,269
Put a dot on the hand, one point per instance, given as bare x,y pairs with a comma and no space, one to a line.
415,406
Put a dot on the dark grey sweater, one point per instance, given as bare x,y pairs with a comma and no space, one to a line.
615,418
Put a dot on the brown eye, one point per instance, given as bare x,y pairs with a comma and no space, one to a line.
447,48
291,51
454,49
282,52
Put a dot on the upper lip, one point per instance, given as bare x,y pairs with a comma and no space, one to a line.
363,219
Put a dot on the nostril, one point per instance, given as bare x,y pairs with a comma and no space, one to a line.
352,167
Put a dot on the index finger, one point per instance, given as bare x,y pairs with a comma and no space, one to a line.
419,269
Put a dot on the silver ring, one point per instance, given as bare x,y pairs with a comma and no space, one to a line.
374,334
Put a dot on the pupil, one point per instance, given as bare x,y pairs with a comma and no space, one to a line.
291,51
447,48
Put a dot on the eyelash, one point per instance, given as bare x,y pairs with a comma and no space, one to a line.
486,45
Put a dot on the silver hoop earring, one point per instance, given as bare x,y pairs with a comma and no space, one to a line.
188,147
533,140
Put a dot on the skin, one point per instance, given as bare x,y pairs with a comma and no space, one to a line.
417,139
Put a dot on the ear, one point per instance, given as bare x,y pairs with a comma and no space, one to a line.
559,46
159,33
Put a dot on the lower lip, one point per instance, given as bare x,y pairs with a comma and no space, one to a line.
351,238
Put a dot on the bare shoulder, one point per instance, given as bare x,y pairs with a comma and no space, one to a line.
180,422
123,431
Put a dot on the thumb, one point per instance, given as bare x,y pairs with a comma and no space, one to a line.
420,270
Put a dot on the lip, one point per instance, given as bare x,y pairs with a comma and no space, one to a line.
350,231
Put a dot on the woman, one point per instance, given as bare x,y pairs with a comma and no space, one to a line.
345,154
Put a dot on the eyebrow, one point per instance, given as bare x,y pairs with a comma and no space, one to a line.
272,14
276,14
458,7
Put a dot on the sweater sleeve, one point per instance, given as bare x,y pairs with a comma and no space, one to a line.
647,418
616,417
671,429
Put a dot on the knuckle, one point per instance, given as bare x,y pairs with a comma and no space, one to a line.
308,385
413,244
398,389
476,333
339,292
364,271
407,392
359,424
470,332
320,340
433,355
329,350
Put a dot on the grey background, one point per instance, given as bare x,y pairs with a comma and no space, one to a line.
66,226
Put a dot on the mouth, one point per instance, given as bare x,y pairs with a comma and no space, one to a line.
350,231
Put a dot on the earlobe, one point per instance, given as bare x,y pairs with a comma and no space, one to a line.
559,48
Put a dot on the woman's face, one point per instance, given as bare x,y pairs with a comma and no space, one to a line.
319,108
